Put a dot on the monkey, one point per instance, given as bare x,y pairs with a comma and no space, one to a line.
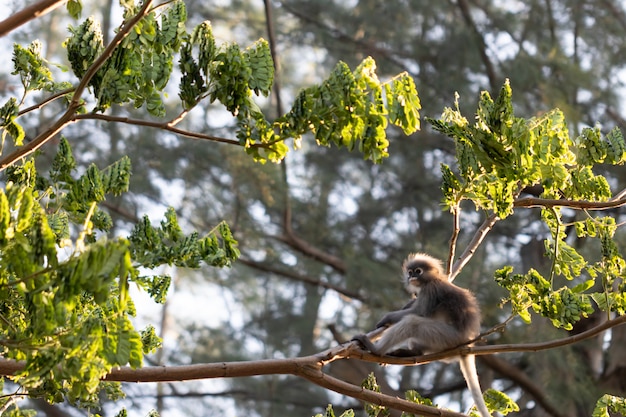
440,316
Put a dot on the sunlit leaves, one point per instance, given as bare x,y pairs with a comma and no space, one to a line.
329,412
152,246
29,64
609,405
594,148
140,67
498,158
498,401
8,125
563,307
67,312
349,110
261,64
84,45
403,103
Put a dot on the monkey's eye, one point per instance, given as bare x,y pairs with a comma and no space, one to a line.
415,272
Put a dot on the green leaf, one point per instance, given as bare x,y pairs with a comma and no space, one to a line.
8,125
607,405
74,8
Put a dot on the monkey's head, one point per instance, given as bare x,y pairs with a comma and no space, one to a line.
420,269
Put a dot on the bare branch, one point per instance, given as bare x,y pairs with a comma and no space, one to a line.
310,368
306,248
479,236
456,213
46,101
529,202
482,46
301,278
167,126
27,14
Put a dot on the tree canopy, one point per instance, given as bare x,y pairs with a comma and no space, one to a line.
125,118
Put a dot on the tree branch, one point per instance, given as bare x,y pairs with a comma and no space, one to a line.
70,114
310,368
467,254
301,278
482,46
167,126
27,14
529,202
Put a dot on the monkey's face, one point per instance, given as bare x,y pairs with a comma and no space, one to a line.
420,269
416,275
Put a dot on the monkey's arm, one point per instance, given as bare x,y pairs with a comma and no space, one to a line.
394,316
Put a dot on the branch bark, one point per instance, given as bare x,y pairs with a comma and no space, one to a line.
310,368
27,14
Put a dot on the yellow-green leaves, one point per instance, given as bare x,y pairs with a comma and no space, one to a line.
152,246
84,45
8,125
67,313
563,307
403,103
351,109
609,405
498,401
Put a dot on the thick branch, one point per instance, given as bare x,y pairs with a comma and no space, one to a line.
27,14
523,380
310,368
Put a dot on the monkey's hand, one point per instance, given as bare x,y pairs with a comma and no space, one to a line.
386,321
365,342
361,339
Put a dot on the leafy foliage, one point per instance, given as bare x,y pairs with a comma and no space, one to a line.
498,401
65,304
331,413
373,410
349,109
609,405
498,158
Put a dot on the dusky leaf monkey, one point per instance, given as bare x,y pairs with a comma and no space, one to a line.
440,316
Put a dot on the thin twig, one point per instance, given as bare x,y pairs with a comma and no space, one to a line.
456,215
167,126
529,202
479,236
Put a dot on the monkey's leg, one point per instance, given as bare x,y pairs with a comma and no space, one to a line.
405,353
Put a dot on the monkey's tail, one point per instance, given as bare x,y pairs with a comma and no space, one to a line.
468,369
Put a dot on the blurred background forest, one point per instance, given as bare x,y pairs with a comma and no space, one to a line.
323,235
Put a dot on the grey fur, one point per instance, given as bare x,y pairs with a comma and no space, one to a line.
440,316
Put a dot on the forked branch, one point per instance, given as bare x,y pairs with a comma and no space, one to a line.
310,368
